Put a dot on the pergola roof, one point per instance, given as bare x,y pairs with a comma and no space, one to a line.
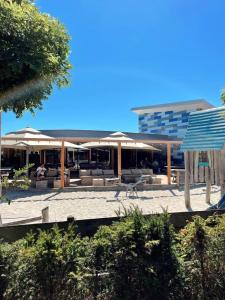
91,135
206,130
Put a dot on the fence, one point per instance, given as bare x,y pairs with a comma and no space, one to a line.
89,227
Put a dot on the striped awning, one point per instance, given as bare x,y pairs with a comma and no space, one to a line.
206,130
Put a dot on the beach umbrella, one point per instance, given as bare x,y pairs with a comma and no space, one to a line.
119,140
38,141
126,142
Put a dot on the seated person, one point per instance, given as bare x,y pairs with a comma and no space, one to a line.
41,171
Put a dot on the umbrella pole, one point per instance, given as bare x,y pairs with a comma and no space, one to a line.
27,158
62,161
119,160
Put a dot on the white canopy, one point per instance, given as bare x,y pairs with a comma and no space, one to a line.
119,137
124,145
38,144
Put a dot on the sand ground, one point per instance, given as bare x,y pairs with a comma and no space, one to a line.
97,204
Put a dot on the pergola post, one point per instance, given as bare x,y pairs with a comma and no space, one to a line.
62,161
187,181
119,160
169,163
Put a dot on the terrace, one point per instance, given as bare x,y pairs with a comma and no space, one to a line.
91,158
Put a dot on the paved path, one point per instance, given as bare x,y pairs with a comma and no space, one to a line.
87,205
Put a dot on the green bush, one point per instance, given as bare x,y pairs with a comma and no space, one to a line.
43,267
138,250
137,257
201,249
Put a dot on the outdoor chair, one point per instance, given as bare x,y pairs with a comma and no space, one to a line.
97,172
131,188
108,173
127,176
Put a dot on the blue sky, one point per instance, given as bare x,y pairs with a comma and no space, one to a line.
132,53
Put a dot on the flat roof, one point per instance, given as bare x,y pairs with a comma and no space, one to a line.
179,105
99,134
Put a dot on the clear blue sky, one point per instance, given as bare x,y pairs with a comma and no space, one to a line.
131,53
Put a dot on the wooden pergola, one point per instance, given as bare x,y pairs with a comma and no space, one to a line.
168,144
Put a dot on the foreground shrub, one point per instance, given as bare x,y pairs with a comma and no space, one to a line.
137,258
138,255
202,252
44,267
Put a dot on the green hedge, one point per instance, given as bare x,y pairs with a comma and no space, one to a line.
136,258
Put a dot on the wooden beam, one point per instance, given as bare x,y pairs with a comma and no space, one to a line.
191,157
62,161
196,167
208,185
187,181
169,163
216,167
208,175
84,140
119,160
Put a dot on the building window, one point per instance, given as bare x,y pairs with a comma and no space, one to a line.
168,112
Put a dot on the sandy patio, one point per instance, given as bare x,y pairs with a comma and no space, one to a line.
87,205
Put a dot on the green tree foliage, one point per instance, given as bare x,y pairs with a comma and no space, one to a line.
34,51
223,96
20,180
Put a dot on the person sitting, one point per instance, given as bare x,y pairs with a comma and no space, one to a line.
41,172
